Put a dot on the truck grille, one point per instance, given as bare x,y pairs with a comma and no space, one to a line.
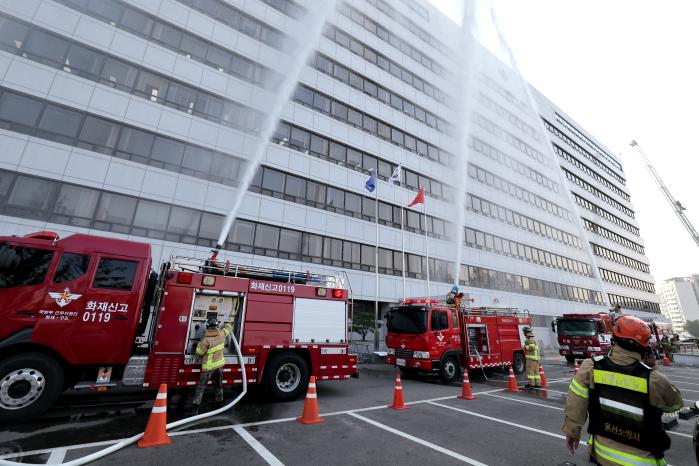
404,353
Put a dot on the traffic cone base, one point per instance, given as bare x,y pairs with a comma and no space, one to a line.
310,406
398,402
156,432
512,387
666,360
466,393
544,382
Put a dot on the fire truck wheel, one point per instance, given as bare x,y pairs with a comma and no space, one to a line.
29,384
449,370
518,363
570,358
286,377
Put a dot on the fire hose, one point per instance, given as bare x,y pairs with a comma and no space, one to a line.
128,441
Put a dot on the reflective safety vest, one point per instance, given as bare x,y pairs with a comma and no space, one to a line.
211,349
531,351
620,409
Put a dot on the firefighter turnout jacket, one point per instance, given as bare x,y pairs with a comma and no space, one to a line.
625,400
211,348
531,349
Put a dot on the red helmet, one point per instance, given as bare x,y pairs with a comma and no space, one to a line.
632,328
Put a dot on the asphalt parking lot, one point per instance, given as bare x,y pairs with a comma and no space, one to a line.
498,428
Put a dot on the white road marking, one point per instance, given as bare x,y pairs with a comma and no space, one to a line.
685,382
57,456
687,390
258,447
680,376
420,441
679,433
502,421
525,401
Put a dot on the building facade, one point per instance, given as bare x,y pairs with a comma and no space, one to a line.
134,119
679,300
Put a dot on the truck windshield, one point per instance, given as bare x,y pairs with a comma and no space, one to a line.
407,319
576,327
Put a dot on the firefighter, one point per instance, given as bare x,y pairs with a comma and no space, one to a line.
531,353
666,346
625,399
210,348
451,296
615,312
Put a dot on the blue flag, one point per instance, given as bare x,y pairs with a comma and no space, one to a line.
370,184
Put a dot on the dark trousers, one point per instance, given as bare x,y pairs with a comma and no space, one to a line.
216,376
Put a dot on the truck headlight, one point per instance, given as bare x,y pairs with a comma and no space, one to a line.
421,354
563,347
594,348
391,351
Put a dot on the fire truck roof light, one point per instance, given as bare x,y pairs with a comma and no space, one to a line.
421,301
337,293
47,235
185,278
208,280
321,292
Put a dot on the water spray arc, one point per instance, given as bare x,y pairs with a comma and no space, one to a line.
557,163
309,30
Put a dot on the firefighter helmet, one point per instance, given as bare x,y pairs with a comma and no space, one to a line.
631,331
212,323
527,331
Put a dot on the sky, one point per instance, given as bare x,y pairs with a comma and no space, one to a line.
623,70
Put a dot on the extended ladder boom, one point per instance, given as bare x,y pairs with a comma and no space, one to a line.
676,206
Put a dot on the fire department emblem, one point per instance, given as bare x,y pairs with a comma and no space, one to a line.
402,345
440,337
64,298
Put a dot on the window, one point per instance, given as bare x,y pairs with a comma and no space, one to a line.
116,208
60,121
151,86
134,141
166,34
183,221
19,109
83,60
70,267
242,233
119,73
76,201
23,266
267,237
47,46
440,321
290,241
31,193
273,180
115,274
151,215
12,34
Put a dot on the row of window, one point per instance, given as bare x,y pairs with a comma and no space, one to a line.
619,258
594,208
515,191
361,120
507,115
50,49
333,151
510,139
127,17
28,196
379,92
570,127
382,61
486,241
289,8
503,92
505,215
610,235
560,134
624,280
480,277
597,193
634,303
414,6
242,22
30,267
36,117
390,37
416,30
275,183
591,173
504,159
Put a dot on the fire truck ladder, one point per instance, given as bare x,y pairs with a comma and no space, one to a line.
676,206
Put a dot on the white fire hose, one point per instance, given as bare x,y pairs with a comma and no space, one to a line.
128,441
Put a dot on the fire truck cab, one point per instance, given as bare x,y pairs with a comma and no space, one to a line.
583,336
87,312
428,337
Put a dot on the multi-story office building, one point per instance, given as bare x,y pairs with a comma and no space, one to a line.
133,118
679,300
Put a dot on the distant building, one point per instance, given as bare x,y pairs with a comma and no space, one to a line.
679,300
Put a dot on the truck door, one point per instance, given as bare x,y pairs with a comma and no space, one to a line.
440,337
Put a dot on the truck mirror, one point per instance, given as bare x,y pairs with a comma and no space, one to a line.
553,326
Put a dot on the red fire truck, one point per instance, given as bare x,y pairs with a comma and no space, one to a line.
88,312
583,336
426,337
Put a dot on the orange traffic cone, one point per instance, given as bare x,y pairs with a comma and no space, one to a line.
576,368
544,382
666,360
310,407
513,382
466,389
398,402
155,434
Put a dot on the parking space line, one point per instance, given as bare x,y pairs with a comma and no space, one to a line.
524,401
57,456
680,376
502,421
420,441
685,382
257,446
679,433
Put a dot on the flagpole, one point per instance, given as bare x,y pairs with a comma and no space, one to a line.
402,245
427,251
376,267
